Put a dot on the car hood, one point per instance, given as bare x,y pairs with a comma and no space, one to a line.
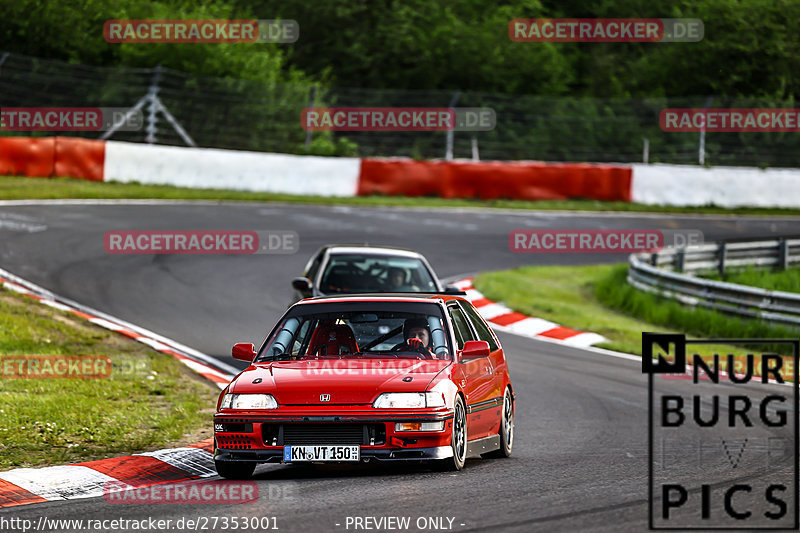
347,381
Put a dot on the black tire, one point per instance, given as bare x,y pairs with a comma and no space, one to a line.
233,470
506,427
458,440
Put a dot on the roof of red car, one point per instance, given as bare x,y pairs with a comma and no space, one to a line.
383,296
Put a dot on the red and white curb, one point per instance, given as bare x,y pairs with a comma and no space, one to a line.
195,360
505,319
88,480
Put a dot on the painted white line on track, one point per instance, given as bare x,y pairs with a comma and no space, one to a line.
102,322
54,304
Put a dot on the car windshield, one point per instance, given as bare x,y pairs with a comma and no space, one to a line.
360,273
359,330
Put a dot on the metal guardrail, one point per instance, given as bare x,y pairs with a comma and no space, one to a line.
646,273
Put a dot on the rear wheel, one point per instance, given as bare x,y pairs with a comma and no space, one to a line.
506,427
458,439
232,470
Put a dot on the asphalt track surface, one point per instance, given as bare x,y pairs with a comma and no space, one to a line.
580,458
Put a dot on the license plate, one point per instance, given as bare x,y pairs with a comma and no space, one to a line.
293,454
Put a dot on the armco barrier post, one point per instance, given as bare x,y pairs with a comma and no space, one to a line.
723,250
783,254
680,258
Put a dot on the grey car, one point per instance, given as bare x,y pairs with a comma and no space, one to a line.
353,269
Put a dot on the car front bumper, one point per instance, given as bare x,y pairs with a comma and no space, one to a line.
367,454
260,438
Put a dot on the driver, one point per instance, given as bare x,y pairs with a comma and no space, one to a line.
396,278
417,335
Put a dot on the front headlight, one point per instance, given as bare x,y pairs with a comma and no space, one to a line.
248,401
409,400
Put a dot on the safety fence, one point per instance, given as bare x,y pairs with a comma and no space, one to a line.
187,110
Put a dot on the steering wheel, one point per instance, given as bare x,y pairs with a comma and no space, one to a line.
406,348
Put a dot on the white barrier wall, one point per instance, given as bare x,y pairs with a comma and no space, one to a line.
678,185
688,185
231,169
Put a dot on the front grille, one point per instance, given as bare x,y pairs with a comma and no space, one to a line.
323,434
333,433
236,442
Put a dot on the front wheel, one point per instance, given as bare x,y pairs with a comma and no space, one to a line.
232,470
506,427
458,440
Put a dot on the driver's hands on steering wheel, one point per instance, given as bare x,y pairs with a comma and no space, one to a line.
416,345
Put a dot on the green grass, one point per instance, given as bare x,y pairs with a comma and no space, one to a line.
564,295
150,401
16,188
613,291
773,280
597,298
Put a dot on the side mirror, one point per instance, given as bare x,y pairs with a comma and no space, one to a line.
475,350
302,284
452,289
244,351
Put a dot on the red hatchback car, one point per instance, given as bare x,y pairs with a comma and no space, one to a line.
379,377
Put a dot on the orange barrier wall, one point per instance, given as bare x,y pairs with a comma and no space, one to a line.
80,158
22,156
491,180
45,157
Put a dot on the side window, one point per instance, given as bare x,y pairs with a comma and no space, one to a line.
484,333
463,334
